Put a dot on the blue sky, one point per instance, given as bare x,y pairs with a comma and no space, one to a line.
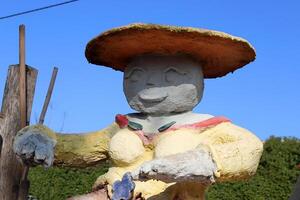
263,97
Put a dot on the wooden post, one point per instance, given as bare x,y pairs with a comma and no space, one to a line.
1,142
296,191
22,83
24,183
1,139
10,168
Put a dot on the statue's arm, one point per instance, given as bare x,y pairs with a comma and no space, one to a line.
235,150
37,144
82,150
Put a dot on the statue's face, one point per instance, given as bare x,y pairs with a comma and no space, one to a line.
157,84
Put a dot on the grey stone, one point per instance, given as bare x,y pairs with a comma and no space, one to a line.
160,84
34,148
195,166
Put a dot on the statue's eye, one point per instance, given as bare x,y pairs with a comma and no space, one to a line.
135,75
172,75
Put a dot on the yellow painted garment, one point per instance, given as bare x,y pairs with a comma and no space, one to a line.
235,150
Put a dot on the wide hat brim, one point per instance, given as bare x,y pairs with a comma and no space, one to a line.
218,52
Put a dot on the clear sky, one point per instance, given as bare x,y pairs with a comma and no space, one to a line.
263,97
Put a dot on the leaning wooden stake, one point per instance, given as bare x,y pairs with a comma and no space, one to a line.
10,168
48,96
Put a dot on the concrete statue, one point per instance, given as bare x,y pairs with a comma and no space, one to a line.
164,150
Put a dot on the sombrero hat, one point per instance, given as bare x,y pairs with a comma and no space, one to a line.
218,52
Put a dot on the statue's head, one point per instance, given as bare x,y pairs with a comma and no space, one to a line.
163,84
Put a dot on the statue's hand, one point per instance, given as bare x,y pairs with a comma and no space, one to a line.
123,190
34,147
195,165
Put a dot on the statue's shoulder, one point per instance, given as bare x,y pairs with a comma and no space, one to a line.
199,117
180,119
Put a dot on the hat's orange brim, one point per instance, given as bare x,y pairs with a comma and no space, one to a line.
218,52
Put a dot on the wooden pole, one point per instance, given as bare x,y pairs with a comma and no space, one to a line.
1,143
1,139
48,96
24,183
10,167
15,112
296,191
23,104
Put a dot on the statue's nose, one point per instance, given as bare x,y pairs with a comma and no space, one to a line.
152,80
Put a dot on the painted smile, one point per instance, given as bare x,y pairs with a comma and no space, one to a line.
152,98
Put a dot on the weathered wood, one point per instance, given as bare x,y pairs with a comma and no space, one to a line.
1,142
296,191
1,139
48,96
24,183
10,168
23,107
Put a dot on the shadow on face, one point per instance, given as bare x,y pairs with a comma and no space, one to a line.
160,84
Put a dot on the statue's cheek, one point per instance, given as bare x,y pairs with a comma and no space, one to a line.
125,147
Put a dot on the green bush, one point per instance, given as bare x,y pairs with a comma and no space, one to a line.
275,178
59,183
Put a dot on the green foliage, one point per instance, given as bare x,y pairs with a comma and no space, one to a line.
59,183
275,178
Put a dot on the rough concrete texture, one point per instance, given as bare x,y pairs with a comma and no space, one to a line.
33,147
151,123
183,160
234,150
193,166
220,52
158,85
72,150
134,147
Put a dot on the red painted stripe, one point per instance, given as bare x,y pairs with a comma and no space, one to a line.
203,124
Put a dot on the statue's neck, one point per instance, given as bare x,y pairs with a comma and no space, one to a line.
165,115
151,123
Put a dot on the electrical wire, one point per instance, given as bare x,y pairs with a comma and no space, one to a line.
37,9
